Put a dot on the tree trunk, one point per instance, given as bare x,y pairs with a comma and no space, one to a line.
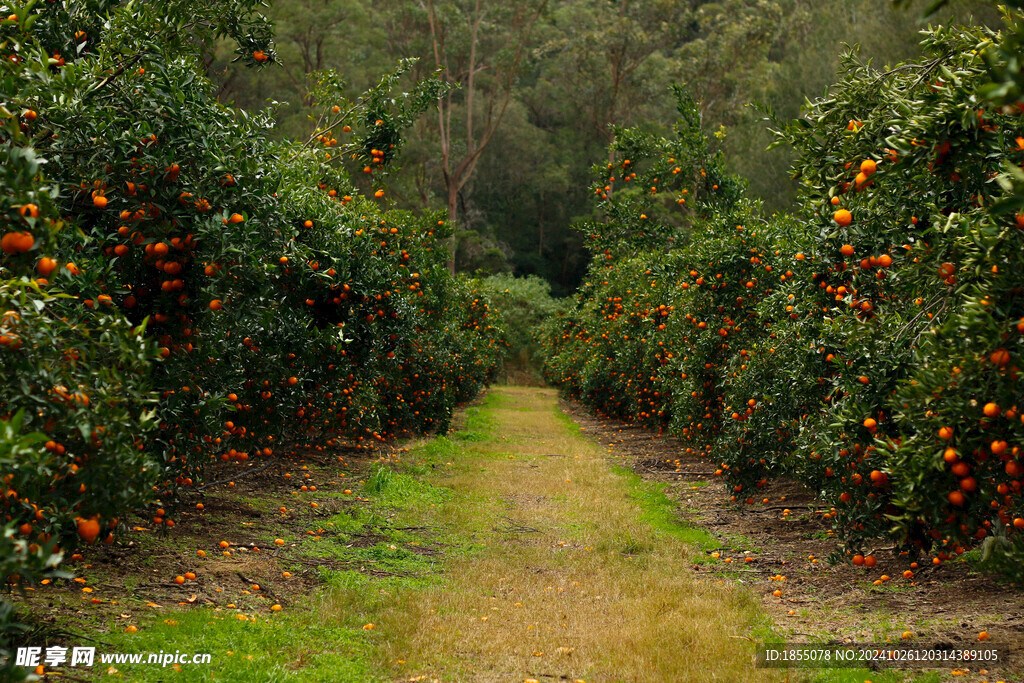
453,207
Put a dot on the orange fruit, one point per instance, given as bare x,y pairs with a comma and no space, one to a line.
88,529
842,217
1000,357
46,266
846,250
868,166
16,242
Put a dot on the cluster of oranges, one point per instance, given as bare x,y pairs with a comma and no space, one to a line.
222,305
822,346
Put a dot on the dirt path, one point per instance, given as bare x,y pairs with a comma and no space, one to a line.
567,580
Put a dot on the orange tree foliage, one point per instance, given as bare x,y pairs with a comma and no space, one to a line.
176,289
868,345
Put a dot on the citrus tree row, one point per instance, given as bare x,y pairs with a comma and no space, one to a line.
176,289
869,345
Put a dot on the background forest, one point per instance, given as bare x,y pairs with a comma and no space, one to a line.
544,83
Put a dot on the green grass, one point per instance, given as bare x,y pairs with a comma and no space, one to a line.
281,647
321,638
658,511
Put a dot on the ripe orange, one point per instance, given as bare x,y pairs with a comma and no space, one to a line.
88,529
46,266
991,409
846,250
16,242
868,166
1000,357
842,217
870,561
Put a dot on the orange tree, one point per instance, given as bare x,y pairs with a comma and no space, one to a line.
918,294
177,288
868,345
606,349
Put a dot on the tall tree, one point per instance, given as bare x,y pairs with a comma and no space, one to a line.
481,46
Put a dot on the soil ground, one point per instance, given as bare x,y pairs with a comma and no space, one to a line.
520,547
786,535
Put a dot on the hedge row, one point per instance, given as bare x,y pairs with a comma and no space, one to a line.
868,345
177,289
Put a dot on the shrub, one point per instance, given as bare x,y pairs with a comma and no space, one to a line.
869,345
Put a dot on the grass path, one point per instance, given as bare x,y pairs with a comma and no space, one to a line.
570,576
510,550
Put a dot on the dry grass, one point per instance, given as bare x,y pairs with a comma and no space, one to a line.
570,583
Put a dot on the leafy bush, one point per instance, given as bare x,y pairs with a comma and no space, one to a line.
868,345
177,289
522,305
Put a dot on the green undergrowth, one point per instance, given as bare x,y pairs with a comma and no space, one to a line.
366,555
660,512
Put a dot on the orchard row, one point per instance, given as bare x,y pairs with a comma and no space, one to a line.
868,346
176,289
